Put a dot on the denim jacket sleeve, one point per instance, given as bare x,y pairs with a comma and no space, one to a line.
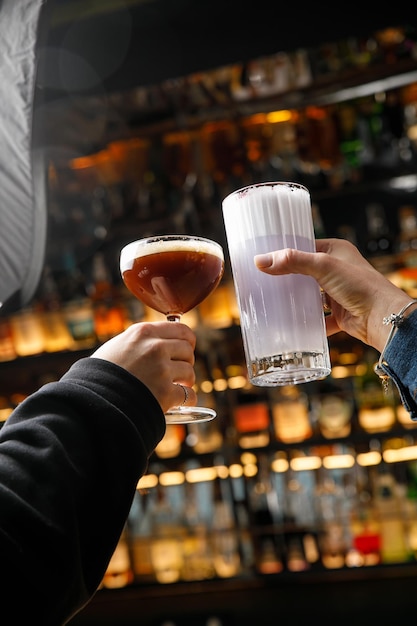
400,362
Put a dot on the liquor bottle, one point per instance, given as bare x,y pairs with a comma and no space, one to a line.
7,349
389,505
375,405
266,520
319,228
77,306
205,437
406,247
379,246
139,523
351,143
109,316
296,558
171,444
168,533
251,419
27,331
6,408
366,537
119,571
333,408
290,413
198,516
331,505
49,305
225,542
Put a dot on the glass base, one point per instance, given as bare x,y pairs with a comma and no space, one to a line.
291,368
189,415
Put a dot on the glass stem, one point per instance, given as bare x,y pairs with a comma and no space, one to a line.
173,317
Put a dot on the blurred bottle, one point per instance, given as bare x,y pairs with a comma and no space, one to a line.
77,306
168,533
251,419
333,408
109,315
365,531
140,531
171,444
28,332
119,571
49,305
406,248
6,408
290,413
330,508
319,228
225,538
219,309
350,143
379,245
266,520
376,406
198,514
7,349
296,558
389,506
205,437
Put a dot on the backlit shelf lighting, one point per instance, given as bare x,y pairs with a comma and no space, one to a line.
367,459
407,453
200,474
168,479
147,482
338,461
301,463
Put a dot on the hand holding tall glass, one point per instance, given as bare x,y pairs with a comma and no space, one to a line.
172,274
282,319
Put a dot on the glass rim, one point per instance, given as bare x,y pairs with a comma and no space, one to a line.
182,237
173,237
270,183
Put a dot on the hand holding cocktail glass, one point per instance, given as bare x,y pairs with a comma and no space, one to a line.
282,319
172,274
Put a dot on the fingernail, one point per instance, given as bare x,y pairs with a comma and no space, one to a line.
263,260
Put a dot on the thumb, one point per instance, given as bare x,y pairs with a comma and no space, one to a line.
287,261
263,261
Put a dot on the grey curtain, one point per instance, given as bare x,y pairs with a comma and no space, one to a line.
23,212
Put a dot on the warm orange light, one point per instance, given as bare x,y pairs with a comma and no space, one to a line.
275,117
316,113
147,482
301,463
280,465
339,461
200,474
171,478
408,453
235,470
366,459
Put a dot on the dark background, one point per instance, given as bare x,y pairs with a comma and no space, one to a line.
143,42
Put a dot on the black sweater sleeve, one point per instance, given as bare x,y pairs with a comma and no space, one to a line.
70,458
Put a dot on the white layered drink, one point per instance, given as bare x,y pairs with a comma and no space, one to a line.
281,317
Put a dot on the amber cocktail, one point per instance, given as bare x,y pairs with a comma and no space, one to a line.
172,274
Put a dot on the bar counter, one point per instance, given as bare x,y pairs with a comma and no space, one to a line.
383,596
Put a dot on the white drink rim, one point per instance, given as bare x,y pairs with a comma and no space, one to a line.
167,243
277,183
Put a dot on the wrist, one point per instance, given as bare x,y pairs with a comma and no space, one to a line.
394,321
381,326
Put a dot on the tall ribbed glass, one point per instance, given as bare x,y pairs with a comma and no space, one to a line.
282,319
